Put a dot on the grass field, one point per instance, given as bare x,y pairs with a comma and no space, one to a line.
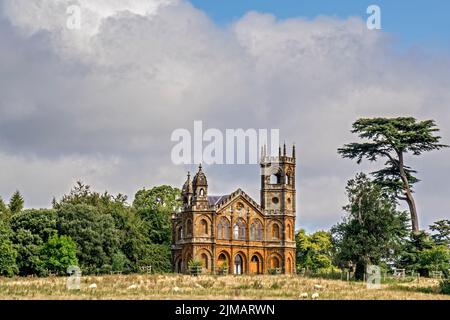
211,287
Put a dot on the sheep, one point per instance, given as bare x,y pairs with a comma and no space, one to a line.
303,295
93,286
133,286
318,287
315,296
176,289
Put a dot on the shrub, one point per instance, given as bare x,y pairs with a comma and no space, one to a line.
444,286
120,262
195,267
223,269
8,257
59,253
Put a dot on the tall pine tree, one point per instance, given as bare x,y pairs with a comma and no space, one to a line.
16,203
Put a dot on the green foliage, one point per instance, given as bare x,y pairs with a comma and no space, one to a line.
8,254
314,251
157,256
155,207
422,254
101,232
373,231
120,262
273,271
391,139
31,229
16,203
444,286
195,266
435,259
5,213
223,269
441,230
95,233
82,194
58,253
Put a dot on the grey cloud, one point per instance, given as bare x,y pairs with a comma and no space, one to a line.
101,104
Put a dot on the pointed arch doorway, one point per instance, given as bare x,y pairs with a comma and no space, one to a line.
255,265
238,264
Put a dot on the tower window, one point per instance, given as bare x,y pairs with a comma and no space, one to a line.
204,226
275,231
201,192
275,200
189,227
180,233
274,179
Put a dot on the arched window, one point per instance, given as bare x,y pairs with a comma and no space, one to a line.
275,231
274,263
256,230
203,226
288,232
202,192
239,230
223,262
180,233
287,179
189,227
236,231
274,179
204,260
223,229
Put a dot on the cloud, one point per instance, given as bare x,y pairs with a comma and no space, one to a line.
109,95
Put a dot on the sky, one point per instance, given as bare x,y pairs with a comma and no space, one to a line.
413,23
99,103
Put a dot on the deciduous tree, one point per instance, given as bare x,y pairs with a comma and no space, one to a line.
373,230
391,139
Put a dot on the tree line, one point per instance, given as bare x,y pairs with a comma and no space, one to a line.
100,233
373,230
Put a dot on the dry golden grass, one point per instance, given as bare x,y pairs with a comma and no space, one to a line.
174,287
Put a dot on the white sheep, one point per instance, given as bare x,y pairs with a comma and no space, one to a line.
93,286
133,286
315,296
176,289
318,287
303,295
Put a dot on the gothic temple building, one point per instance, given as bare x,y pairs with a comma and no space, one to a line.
233,233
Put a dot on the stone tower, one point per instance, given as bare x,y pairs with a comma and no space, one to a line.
278,193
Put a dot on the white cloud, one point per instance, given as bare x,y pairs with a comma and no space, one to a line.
137,70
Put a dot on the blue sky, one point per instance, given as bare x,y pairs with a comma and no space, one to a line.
424,23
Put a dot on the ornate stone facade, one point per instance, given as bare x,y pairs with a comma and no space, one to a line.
233,233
